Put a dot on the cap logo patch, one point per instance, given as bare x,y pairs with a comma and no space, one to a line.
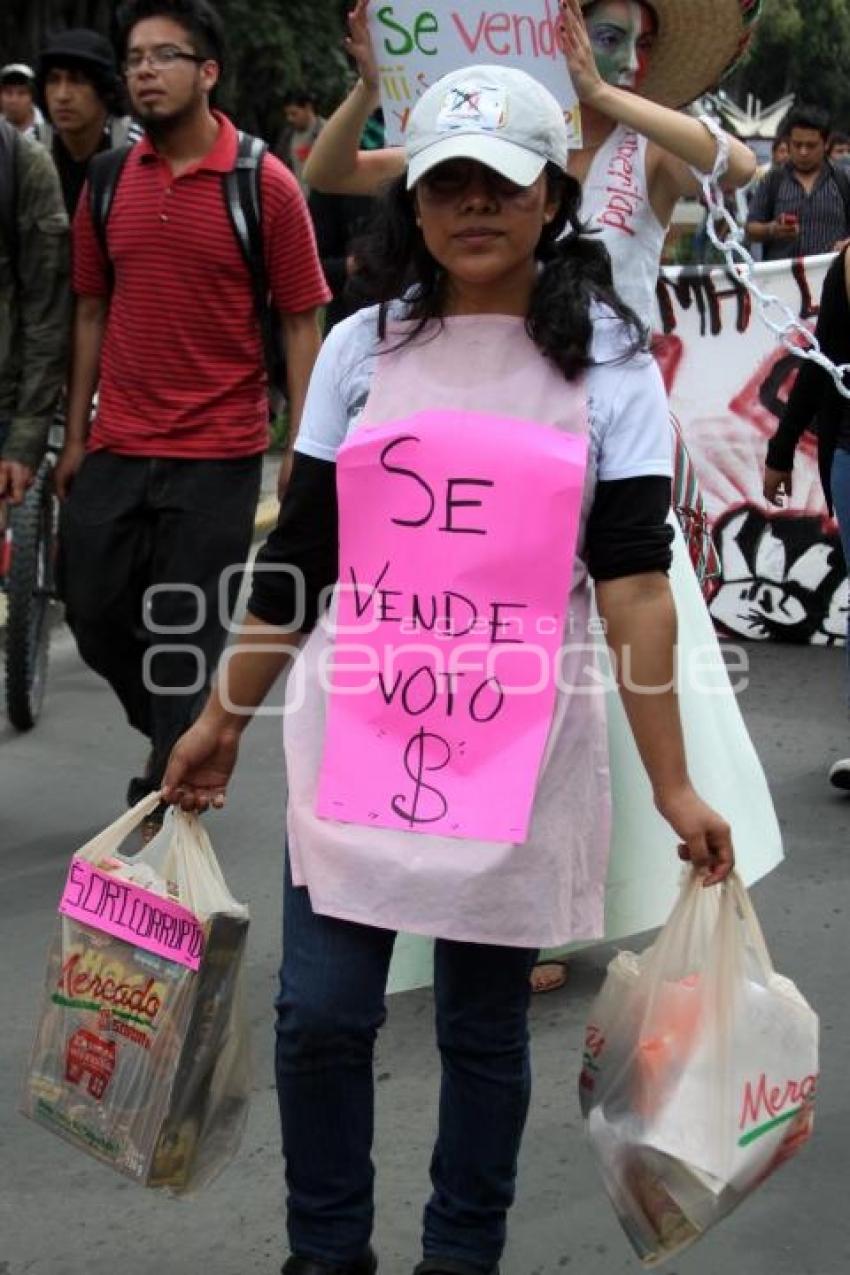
473,106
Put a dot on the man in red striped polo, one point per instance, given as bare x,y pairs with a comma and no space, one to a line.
159,491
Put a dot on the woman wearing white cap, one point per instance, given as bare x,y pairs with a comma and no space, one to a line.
505,426
631,64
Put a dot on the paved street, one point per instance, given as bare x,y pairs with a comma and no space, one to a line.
63,1214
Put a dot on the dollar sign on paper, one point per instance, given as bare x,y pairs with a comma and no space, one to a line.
424,753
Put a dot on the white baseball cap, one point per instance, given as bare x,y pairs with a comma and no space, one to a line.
15,71
496,115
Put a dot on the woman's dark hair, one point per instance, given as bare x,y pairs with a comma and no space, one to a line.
198,19
393,261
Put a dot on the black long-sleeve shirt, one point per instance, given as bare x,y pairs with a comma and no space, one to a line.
627,534
814,400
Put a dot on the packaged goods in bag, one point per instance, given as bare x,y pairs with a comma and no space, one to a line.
700,1071
141,1052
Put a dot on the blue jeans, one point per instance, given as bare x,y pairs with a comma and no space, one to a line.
840,482
329,1009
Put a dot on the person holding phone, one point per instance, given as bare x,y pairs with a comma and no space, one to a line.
802,208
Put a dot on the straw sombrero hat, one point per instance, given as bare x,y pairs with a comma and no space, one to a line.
698,42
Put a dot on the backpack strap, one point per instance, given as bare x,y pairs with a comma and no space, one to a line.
243,200
9,187
104,174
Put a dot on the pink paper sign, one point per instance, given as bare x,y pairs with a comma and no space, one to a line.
128,912
457,542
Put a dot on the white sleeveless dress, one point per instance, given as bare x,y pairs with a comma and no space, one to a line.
615,206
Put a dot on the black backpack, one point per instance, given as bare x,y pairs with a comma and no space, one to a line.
242,199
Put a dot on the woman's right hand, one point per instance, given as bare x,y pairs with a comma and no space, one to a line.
706,838
359,46
575,44
777,485
200,767
67,467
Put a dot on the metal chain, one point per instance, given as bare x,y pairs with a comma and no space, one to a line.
778,316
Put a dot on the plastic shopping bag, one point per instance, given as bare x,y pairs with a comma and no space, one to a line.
141,1052
700,1071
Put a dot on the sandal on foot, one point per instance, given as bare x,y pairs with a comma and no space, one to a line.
549,976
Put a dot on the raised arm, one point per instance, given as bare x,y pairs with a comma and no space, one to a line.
336,165
683,142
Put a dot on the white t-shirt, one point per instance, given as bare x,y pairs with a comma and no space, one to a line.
627,407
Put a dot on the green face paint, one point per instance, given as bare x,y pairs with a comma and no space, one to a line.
622,33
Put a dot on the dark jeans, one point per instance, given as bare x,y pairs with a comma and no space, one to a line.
329,1009
133,522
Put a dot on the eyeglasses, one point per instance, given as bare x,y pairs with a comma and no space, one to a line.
159,58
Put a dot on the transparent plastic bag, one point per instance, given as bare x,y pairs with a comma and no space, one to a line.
141,1051
699,1074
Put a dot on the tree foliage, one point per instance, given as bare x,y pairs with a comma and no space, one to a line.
272,46
801,47
278,45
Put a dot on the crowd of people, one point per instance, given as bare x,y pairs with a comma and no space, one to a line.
204,265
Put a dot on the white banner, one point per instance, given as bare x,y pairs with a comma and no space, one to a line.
728,378
419,41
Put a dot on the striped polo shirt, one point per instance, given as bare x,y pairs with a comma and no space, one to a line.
823,213
182,371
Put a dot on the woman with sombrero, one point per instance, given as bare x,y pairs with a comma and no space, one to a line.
633,64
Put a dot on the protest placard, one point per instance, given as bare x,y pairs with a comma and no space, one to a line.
418,41
457,540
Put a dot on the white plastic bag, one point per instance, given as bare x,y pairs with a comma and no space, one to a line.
141,1052
700,1071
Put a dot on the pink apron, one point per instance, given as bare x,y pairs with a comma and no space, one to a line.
549,889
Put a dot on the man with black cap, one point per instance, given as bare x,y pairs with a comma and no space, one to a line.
17,103
83,95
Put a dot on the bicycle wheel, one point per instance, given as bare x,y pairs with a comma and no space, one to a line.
29,591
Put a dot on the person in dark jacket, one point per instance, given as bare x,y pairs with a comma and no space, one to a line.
35,306
815,402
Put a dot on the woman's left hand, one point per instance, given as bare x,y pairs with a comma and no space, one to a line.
358,45
706,836
575,43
